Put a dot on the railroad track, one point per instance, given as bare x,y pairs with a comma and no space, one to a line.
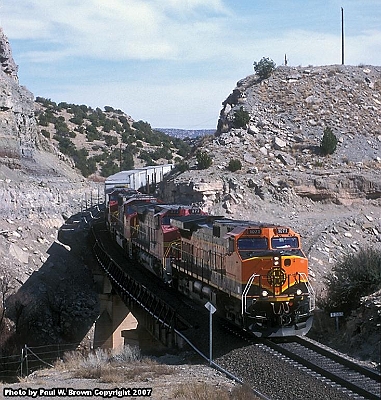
331,365
299,368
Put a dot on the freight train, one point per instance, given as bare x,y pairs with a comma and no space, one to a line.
255,274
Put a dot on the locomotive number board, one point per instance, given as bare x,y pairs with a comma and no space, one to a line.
282,231
253,231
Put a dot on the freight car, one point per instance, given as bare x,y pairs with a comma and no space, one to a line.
255,274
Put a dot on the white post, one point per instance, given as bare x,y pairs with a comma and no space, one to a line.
212,310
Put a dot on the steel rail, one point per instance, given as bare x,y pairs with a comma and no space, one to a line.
345,383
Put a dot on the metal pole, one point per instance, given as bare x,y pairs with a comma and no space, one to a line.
210,307
26,360
210,337
22,361
342,36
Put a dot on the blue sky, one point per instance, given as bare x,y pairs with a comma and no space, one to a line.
173,62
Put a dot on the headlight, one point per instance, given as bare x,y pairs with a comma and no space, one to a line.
299,292
265,293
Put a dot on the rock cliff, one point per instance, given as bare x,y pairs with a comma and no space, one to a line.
279,147
38,192
18,129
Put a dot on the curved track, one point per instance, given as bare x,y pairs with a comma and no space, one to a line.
329,364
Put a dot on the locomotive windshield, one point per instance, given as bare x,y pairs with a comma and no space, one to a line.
247,246
285,242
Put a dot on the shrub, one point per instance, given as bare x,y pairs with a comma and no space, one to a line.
109,168
127,160
76,119
65,145
204,160
328,143
110,140
241,118
234,165
86,165
45,133
264,67
355,276
182,166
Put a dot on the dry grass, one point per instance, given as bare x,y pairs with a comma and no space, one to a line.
144,371
110,366
203,391
106,367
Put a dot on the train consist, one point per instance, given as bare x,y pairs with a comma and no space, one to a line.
255,274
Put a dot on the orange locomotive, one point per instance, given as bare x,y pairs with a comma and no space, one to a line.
255,274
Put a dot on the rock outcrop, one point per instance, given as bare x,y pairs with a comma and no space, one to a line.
8,65
288,113
18,128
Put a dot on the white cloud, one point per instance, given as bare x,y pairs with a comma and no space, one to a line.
364,48
186,30
186,55
116,29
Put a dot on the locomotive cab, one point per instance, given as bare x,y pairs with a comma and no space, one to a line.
277,299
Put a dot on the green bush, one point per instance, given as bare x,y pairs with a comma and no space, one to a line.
127,161
264,67
241,118
234,165
45,133
182,166
86,165
65,145
77,119
110,140
109,168
204,161
328,143
355,276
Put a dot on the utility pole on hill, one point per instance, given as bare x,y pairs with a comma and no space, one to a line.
342,35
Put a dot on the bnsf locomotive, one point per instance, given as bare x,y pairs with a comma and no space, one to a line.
255,274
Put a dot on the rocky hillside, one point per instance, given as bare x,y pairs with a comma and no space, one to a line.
18,133
38,192
102,142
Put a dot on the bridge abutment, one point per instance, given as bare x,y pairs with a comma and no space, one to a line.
114,319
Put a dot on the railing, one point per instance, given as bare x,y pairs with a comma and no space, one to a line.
246,291
311,292
131,291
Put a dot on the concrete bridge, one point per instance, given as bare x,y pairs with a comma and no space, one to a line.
124,301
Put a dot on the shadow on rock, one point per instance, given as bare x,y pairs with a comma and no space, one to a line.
58,304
